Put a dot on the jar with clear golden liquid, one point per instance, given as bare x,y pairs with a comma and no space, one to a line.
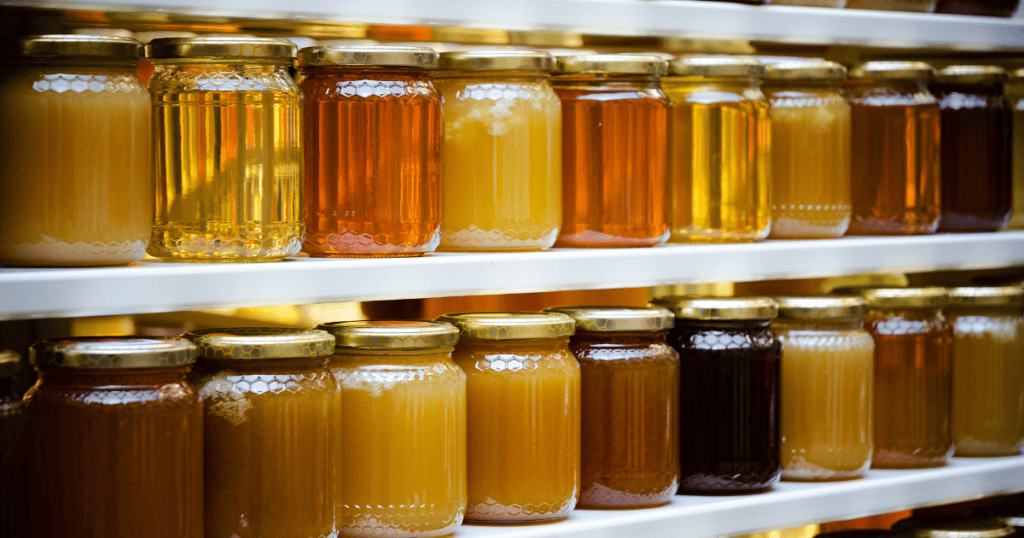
810,134
76,184
614,150
502,175
269,402
977,183
14,515
913,377
372,138
630,406
827,379
719,150
1015,97
135,423
523,396
895,149
226,126
401,435
988,366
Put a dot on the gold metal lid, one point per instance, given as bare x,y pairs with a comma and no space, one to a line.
368,56
716,66
961,528
496,60
617,318
216,48
469,35
75,46
930,297
10,362
987,296
971,74
255,343
102,352
511,325
893,71
822,307
667,56
612,64
1016,75
805,70
393,335
546,38
559,52
720,308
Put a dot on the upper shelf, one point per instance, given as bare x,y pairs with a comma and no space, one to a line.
686,18
166,287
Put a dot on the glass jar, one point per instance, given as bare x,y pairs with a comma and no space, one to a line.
977,183
984,8
828,372
402,429
1009,514
919,6
136,425
13,510
226,122
269,402
524,415
719,163
894,136
630,406
74,112
988,366
810,133
614,150
729,393
937,527
913,377
1015,98
502,151
373,151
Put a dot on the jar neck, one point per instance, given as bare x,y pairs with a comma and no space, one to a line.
904,312
624,81
111,376
504,76
95,63
894,86
731,83
254,66
619,337
1013,311
262,365
788,324
722,325
801,85
387,355
512,346
368,71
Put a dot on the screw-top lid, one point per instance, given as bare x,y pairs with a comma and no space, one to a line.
612,64
821,307
559,52
1010,514
953,528
368,56
113,352
220,48
716,66
511,325
1016,75
818,70
971,74
719,308
255,343
392,335
617,318
496,60
74,46
893,71
930,297
987,296
10,363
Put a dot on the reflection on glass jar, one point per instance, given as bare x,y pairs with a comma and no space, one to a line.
401,435
136,425
524,415
13,510
76,187
269,402
1015,98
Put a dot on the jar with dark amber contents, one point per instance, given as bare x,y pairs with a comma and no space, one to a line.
268,401
136,425
988,369
977,180
729,364
936,527
523,427
630,408
13,516
913,376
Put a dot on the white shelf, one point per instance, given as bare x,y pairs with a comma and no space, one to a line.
788,505
166,287
686,18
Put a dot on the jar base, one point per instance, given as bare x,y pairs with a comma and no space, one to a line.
367,255
222,260
514,523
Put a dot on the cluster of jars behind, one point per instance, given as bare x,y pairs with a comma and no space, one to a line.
369,428
598,150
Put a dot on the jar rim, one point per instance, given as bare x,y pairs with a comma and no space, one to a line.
716,66
113,352
511,325
220,48
391,335
708,308
821,307
816,70
986,296
496,60
368,56
71,46
260,343
889,70
968,528
924,297
617,318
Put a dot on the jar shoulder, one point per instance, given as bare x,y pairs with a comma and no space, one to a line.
224,78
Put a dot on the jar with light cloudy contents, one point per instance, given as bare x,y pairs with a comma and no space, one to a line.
502,177
523,398
269,401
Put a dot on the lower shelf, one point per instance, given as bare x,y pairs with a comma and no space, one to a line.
789,505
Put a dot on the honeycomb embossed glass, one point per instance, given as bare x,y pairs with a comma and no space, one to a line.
372,151
135,423
76,184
